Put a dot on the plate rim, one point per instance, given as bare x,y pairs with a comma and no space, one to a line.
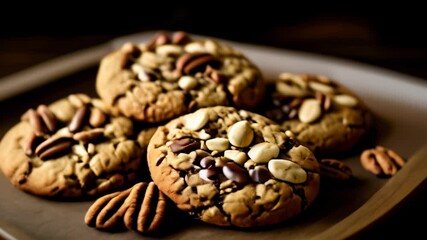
65,65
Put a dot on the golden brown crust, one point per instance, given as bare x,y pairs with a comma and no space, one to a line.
153,82
223,201
324,115
86,151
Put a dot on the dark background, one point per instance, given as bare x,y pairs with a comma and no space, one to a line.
389,36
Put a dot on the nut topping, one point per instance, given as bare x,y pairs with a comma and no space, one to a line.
240,134
263,152
48,117
36,122
309,111
195,121
180,38
53,146
286,170
192,63
78,119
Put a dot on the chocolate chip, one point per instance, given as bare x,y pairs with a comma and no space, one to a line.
185,145
206,162
208,174
235,173
260,174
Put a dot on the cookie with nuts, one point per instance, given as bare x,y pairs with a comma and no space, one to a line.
72,148
232,167
324,115
176,74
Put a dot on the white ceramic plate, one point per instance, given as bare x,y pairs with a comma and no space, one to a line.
398,101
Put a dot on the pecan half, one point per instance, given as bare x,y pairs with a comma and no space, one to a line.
381,161
191,63
53,146
147,207
107,212
79,119
335,169
140,208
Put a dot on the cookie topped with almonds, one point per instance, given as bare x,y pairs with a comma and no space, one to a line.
324,115
232,167
72,148
176,74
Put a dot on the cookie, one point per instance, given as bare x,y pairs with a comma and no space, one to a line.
232,167
324,115
173,75
72,148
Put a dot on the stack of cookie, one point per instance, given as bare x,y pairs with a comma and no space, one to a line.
189,122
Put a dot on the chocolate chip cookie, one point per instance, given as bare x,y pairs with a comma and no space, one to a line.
72,148
324,115
232,167
174,75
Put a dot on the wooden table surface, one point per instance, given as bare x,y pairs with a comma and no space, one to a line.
366,38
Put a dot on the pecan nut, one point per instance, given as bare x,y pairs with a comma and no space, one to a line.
147,207
335,169
191,63
381,161
140,208
107,211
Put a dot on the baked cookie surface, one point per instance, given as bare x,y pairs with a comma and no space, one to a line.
232,167
72,148
174,75
324,115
